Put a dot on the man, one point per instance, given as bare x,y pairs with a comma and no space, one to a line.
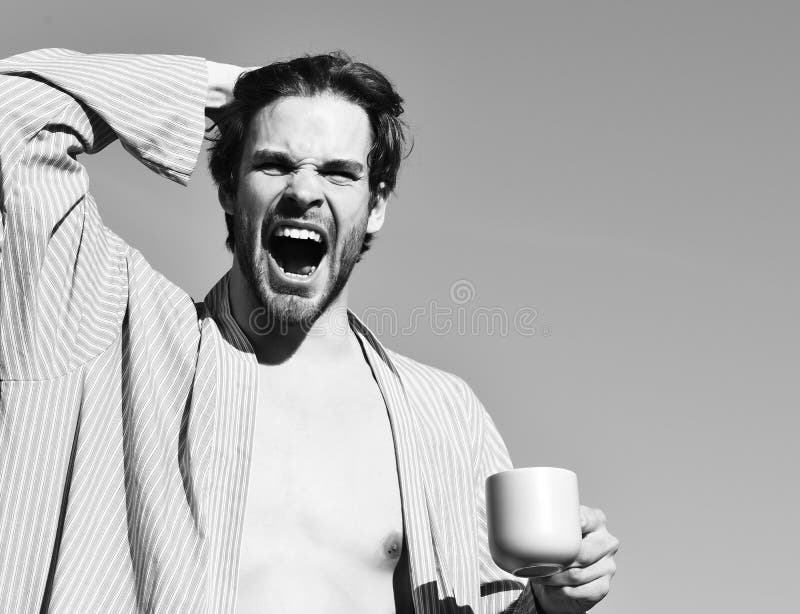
261,450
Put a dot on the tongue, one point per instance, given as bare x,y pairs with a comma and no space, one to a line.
298,266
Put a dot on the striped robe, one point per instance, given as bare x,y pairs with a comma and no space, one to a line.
127,410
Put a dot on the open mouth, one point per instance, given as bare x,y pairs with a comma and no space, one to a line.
296,251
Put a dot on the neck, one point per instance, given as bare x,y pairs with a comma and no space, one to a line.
327,338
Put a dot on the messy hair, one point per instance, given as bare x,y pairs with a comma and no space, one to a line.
311,75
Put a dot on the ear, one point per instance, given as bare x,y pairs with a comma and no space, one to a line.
226,199
378,213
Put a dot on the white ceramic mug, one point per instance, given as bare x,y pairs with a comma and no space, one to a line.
533,517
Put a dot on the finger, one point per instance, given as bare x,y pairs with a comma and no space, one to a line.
578,576
592,519
594,547
585,596
588,595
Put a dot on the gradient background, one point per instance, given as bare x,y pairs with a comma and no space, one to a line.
629,170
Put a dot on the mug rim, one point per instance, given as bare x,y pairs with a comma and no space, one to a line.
532,470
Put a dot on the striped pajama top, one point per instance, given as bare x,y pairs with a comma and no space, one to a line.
127,410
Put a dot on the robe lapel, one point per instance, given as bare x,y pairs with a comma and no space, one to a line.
234,425
428,555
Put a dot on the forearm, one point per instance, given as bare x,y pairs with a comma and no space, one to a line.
153,103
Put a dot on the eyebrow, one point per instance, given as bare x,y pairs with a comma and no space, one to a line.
279,157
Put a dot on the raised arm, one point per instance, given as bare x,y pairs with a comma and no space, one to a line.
63,275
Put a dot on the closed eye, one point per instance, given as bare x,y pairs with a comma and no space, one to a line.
340,177
274,168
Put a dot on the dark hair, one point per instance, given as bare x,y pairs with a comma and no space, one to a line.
309,76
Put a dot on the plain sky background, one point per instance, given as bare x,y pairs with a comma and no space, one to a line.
628,170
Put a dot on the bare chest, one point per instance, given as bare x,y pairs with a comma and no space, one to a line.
323,500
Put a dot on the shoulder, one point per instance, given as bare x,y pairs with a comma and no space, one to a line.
424,378
439,393
160,305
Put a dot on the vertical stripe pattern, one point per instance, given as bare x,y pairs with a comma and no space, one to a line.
127,410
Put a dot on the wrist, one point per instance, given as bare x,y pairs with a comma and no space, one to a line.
540,599
536,602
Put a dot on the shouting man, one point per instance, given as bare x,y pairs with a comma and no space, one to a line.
260,451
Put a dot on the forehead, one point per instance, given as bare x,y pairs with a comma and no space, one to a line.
317,127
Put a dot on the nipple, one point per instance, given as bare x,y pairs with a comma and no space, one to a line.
392,546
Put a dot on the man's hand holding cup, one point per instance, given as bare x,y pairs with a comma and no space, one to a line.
538,530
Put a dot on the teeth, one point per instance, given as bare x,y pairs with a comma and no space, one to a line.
296,233
297,275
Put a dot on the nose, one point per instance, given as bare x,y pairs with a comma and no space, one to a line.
304,189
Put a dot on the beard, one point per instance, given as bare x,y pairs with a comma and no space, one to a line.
284,308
